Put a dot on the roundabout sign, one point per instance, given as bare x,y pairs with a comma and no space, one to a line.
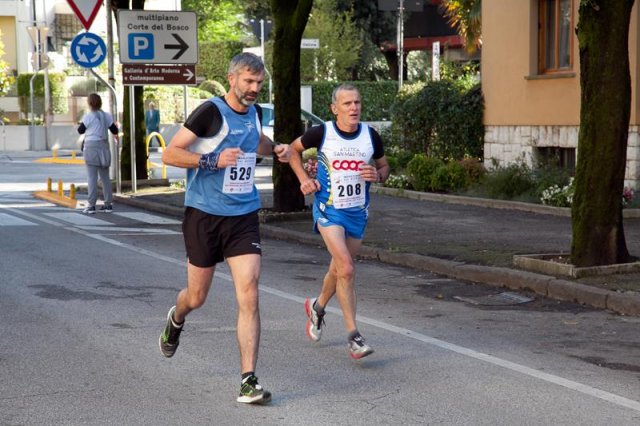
88,50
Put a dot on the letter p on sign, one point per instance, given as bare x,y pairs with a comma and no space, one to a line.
141,46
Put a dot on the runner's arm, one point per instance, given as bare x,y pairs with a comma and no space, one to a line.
307,185
177,153
268,147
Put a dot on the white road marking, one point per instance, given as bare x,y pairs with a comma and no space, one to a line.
148,218
461,350
131,231
10,220
77,218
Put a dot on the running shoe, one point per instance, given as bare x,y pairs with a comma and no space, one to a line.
315,321
89,210
170,337
358,348
252,393
106,208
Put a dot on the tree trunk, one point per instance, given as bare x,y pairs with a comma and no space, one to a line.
139,134
290,19
392,63
141,155
605,82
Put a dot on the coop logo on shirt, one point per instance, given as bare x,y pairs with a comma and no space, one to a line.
353,165
237,131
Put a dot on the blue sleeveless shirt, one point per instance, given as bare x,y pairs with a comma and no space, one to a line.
229,191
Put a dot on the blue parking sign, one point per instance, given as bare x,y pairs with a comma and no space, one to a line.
141,46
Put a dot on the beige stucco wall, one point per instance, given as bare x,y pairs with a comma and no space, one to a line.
8,28
514,95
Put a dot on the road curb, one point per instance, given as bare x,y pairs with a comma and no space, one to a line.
543,285
485,202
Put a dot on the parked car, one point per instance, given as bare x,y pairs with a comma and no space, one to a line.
308,119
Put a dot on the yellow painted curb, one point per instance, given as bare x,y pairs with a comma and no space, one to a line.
54,160
56,199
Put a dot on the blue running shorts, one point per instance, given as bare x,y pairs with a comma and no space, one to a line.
353,222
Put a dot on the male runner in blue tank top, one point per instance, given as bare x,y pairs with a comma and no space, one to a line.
350,157
218,145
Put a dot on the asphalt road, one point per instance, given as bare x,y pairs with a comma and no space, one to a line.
83,300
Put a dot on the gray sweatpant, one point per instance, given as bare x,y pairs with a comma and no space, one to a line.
92,184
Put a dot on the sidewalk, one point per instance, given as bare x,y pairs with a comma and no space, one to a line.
467,239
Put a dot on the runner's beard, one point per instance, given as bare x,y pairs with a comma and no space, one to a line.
242,97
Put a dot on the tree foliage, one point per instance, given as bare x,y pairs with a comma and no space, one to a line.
467,16
214,58
376,28
605,84
6,79
290,18
218,20
340,44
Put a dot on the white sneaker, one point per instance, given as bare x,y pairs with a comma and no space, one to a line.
315,321
358,348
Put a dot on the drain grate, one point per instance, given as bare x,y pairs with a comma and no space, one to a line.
501,299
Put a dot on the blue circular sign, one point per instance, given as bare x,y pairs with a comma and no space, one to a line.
88,50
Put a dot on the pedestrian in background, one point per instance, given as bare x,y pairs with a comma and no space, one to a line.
350,157
152,120
96,152
218,145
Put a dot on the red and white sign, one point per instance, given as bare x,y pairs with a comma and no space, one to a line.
85,10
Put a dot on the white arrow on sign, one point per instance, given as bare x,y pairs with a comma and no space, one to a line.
85,41
85,10
188,74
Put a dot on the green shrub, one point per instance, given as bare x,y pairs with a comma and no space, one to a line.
59,103
377,98
441,119
449,177
420,171
548,175
558,196
214,58
397,158
509,182
474,170
87,86
213,87
397,181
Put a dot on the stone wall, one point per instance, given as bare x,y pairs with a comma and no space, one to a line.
509,144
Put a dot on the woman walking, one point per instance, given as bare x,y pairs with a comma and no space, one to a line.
97,155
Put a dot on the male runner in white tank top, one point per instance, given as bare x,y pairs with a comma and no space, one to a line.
350,157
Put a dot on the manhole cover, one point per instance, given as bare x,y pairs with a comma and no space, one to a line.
501,299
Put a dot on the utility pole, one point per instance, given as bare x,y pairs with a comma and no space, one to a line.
400,43
400,6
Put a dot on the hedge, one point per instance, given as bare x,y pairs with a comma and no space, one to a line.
377,98
441,119
56,89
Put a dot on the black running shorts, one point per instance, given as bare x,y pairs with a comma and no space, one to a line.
210,239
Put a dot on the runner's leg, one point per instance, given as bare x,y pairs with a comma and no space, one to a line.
245,271
342,250
194,296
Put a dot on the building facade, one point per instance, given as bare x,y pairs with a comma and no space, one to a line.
531,83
